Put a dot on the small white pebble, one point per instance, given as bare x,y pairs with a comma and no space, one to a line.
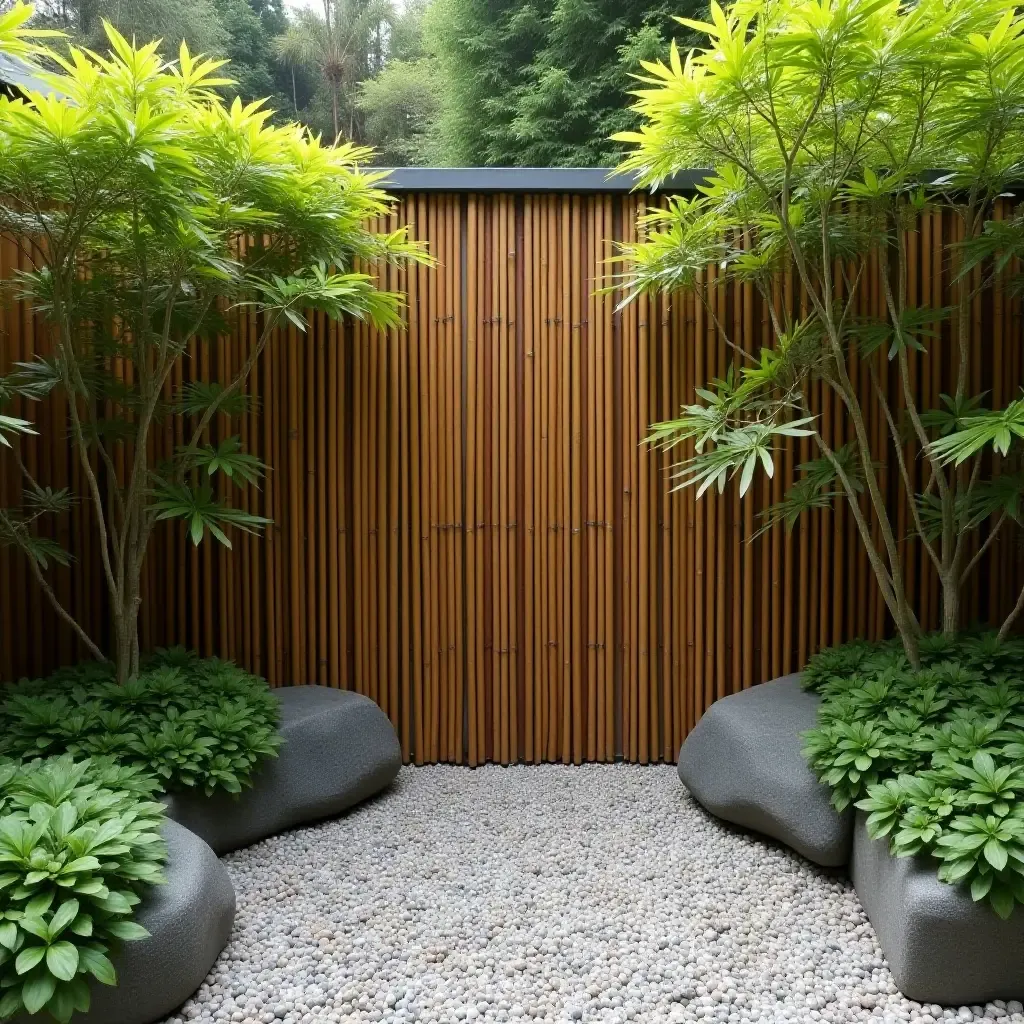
599,893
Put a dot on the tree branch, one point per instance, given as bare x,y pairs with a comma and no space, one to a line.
992,534
905,475
1004,631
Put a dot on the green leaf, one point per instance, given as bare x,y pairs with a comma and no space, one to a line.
62,960
10,1002
66,913
227,458
98,965
997,429
36,992
29,958
117,903
62,1004
980,886
81,865
127,930
995,854
35,926
202,512
82,925
1002,901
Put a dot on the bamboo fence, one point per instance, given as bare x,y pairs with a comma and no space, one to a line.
466,526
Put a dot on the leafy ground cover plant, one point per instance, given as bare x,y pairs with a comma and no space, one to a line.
79,844
191,722
934,755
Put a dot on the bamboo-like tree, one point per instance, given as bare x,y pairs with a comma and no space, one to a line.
148,207
824,121
19,41
344,46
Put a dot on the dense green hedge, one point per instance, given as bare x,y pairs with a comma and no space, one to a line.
190,721
935,756
79,843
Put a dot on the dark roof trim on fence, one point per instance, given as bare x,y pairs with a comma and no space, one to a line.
526,179
575,180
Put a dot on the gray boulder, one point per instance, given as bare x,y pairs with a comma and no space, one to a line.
743,763
189,920
942,947
339,748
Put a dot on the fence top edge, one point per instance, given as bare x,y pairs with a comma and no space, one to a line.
526,179
567,180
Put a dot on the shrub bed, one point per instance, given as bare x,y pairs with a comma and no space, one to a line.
79,843
935,756
191,722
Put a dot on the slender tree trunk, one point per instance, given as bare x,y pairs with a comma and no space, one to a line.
126,629
910,634
1004,632
125,633
951,602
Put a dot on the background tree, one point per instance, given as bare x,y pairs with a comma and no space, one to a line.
400,109
401,103
196,22
250,28
147,208
539,82
823,120
344,44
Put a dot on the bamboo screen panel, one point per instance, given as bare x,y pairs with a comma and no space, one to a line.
465,525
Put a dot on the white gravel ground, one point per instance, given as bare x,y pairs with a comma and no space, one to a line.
599,893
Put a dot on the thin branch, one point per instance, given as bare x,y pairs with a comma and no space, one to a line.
16,531
992,534
152,399
962,534
83,450
1004,631
902,462
61,611
904,368
883,575
720,327
235,384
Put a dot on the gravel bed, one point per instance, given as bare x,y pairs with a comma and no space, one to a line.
597,893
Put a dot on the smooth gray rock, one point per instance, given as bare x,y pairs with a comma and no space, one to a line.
743,763
339,748
189,920
942,947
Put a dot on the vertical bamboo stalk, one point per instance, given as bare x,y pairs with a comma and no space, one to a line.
593,469
529,651
475,525
420,641
578,634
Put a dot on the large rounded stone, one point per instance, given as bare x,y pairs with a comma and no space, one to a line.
339,748
743,763
942,947
189,920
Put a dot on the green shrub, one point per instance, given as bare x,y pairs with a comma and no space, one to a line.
934,755
192,722
79,842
